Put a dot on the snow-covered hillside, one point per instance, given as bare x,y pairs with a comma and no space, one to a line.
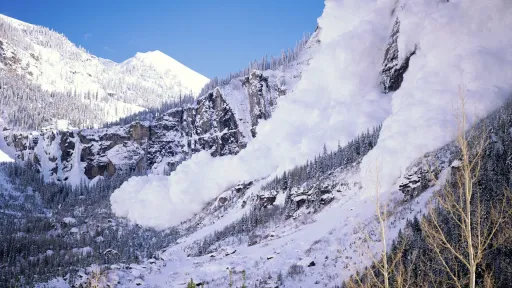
281,191
431,47
221,122
4,157
48,59
341,95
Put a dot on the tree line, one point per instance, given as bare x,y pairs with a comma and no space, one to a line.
265,63
50,230
463,240
151,114
327,161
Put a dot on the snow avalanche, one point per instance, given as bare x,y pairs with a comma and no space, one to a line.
458,43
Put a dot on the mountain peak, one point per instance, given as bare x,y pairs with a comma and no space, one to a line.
153,55
48,60
163,63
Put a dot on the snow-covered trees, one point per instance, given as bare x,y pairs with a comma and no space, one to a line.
321,164
37,245
265,63
151,113
255,219
27,106
42,64
15,31
474,203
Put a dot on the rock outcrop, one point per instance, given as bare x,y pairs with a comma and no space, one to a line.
394,66
159,146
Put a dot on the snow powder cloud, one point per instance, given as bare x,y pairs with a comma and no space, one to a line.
339,97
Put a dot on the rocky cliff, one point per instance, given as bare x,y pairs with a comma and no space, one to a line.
221,122
217,123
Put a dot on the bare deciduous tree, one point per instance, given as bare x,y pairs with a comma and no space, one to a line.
389,265
463,207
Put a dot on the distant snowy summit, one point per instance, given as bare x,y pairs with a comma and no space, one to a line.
47,60
171,71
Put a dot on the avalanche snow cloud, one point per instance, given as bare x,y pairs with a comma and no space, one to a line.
459,42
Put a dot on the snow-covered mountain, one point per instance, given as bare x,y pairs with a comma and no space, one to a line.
221,122
50,61
281,191
154,68
399,63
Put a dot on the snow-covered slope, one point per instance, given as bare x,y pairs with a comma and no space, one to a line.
4,157
341,94
49,59
220,122
395,63
3,146
429,48
154,67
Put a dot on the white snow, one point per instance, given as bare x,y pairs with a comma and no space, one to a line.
59,125
338,97
49,59
188,79
460,43
338,92
335,232
4,157
55,283
76,176
126,153
69,220
6,153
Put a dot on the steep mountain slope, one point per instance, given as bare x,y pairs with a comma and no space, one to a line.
157,69
221,122
311,226
381,85
398,63
343,92
49,61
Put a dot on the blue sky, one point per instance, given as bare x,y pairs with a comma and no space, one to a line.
213,37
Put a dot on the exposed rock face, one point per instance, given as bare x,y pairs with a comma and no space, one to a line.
211,125
266,201
261,100
422,173
216,127
394,68
160,146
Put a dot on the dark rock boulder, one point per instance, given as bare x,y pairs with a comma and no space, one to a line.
262,100
266,201
223,200
394,68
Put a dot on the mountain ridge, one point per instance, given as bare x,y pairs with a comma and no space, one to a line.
48,59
